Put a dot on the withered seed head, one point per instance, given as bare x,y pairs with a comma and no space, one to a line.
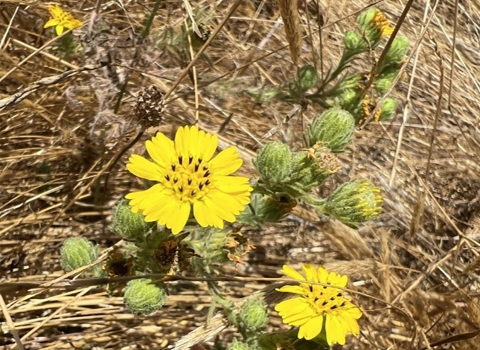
149,107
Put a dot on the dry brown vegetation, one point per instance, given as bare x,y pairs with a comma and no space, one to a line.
415,266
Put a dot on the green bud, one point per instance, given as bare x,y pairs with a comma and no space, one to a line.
311,168
130,226
143,297
77,252
388,109
354,43
238,345
354,202
263,208
253,315
397,51
274,162
347,97
307,77
334,128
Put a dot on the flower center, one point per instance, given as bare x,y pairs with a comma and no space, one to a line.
324,299
188,178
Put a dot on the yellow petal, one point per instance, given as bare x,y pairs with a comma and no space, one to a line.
73,23
55,11
322,274
205,216
311,329
141,199
291,289
144,168
226,162
310,272
161,149
289,271
207,145
59,29
51,23
334,330
180,217
294,311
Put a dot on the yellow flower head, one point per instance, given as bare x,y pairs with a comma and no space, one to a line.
319,307
187,176
61,20
382,24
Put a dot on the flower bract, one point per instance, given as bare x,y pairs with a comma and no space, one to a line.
61,20
320,304
187,176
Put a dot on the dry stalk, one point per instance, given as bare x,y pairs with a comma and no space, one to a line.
291,20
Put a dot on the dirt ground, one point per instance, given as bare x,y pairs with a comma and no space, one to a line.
65,140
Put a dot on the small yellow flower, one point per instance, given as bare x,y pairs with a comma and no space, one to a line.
319,307
382,23
61,20
187,176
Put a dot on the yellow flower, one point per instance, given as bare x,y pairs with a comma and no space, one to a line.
188,175
382,23
61,20
319,307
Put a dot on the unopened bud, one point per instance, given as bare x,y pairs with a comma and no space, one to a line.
253,315
274,162
307,77
77,252
143,297
334,128
397,51
354,43
388,109
130,226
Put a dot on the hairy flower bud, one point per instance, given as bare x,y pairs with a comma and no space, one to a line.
397,51
354,43
77,252
143,297
274,162
334,128
354,202
253,315
130,226
388,109
238,345
307,77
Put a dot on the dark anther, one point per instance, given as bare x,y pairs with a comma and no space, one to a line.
207,174
339,295
205,167
342,304
207,182
175,180
333,307
173,167
332,298
189,181
200,186
199,160
180,159
193,193
310,288
324,303
167,177
197,166
190,159
180,189
315,299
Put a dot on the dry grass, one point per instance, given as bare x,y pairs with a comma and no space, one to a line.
414,268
